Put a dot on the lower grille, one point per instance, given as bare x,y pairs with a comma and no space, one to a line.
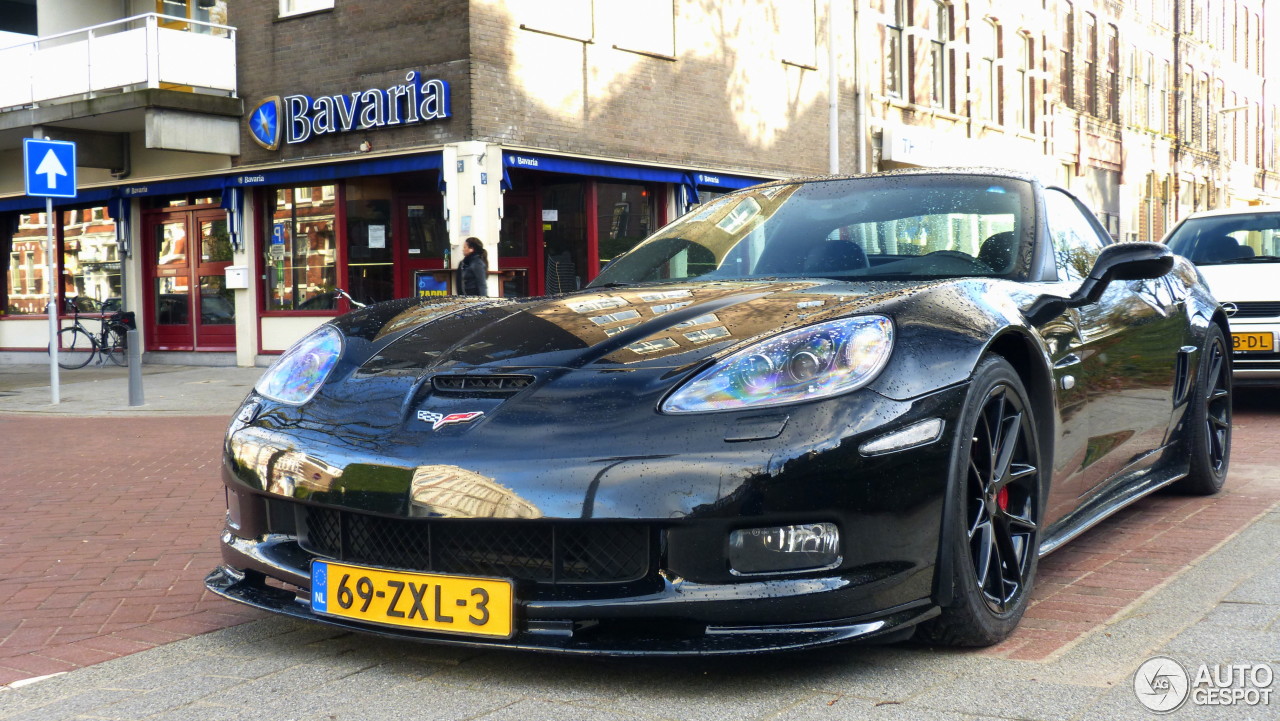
539,551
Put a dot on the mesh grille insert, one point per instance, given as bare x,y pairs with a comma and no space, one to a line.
538,551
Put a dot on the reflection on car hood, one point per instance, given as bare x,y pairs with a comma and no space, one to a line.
656,326
1242,283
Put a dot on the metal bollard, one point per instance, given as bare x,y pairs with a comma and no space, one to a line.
135,368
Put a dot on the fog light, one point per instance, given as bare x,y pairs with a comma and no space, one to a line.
784,548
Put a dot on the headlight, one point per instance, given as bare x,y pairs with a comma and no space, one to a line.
814,362
296,376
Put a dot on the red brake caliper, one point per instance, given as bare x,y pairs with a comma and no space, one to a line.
1002,499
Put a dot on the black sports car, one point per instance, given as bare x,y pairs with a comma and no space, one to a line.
804,413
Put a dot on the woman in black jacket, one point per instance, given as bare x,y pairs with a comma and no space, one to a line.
473,269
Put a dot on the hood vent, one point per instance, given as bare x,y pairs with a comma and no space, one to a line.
503,385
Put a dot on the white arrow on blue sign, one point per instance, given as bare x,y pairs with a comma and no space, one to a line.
50,168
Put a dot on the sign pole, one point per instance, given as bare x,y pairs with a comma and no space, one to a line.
49,170
53,301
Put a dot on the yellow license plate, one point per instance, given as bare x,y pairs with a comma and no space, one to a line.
424,601
1253,342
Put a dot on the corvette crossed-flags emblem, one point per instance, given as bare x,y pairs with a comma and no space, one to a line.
439,419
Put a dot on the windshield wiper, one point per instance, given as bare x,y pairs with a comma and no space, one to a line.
1233,261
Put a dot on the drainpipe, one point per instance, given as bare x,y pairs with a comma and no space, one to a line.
859,92
833,93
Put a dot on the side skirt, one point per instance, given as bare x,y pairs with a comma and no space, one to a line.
1121,491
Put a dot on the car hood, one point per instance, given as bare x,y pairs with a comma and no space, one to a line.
656,326
1242,283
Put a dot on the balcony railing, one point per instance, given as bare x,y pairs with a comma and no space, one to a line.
144,51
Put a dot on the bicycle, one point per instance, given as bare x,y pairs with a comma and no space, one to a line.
77,345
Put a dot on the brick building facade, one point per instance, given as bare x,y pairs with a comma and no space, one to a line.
363,142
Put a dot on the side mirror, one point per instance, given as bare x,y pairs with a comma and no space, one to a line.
1133,261
1122,261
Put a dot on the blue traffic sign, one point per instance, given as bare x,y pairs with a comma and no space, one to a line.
50,168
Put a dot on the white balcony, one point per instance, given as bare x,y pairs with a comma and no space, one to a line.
141,52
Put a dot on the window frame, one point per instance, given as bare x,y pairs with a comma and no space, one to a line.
290,8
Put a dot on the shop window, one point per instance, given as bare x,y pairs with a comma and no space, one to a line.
89,262
25,274
301,249
90,259
624,216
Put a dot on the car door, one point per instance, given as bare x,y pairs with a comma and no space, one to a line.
1128,350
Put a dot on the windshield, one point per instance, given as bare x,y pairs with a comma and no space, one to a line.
886,227
1223,239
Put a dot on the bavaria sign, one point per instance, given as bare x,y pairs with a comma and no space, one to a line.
299,118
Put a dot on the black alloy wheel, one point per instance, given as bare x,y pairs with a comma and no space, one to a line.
1208,439
1002,499
991,540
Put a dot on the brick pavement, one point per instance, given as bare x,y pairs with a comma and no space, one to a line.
107,529
109,526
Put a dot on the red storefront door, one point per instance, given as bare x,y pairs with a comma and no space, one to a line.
188,306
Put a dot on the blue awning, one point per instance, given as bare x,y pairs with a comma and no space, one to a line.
689,182
31,204
593,168
212,183
335,171
728,182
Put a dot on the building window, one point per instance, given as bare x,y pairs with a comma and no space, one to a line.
301,270
1147,110
1026,86
1089,80
1203,109
1066,77
989,72
1111,82
643,26
938,65
1166,77
297,7
894,55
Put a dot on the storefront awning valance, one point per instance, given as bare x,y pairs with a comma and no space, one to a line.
336,171
34,205
212,183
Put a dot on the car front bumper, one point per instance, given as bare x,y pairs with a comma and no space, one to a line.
688,601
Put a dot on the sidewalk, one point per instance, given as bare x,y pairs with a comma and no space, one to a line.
104,390
107,529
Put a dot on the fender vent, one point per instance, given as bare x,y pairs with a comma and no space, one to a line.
481,384
1182,374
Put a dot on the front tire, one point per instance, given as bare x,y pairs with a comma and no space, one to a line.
1208,438
75,348
992,538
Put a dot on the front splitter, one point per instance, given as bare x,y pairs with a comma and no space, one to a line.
251,589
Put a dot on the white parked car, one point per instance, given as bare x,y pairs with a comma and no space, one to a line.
1238,252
